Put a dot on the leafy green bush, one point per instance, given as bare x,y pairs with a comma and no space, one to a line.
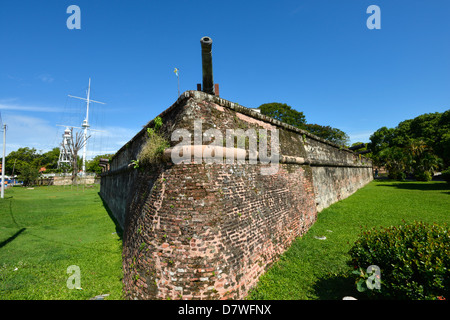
154,146
28,174
397,175
423,176
446,175
414,260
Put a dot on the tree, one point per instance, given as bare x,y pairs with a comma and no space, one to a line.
17,160
422,161
328,133
283,113
288,115
49,160
28,174
381,139
425,140
73,148
94,164
395,160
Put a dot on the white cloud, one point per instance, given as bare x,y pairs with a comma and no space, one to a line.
47,78
43,135
121,135
7,106
25,131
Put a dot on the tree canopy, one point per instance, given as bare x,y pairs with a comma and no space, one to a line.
26,163
19,160
416,146
289,115
283,113
328,133
94,164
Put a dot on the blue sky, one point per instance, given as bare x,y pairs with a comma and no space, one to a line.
317,56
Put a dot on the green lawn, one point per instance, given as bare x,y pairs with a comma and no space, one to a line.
317,269
45,230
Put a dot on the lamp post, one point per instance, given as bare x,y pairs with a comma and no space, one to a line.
3,162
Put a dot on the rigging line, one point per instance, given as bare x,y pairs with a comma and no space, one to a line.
61,115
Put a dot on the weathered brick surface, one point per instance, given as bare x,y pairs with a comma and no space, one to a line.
208,231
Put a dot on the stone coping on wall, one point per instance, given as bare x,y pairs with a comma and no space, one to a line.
201,96
209,152
240,155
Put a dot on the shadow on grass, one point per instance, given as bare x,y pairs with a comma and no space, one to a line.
15,235
336,287
118,227
430,186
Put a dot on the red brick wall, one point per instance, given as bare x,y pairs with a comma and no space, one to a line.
210,231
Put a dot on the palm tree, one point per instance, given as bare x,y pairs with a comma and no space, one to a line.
394,159
423,162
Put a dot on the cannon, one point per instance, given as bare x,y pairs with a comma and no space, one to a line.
104,163
359,146
207,70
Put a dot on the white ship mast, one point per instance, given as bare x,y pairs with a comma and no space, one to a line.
85,124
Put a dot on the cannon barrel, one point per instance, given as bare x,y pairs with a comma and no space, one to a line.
364,152
359,146
104,163
207,70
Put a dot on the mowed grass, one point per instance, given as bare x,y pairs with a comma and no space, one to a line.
44,231
318,269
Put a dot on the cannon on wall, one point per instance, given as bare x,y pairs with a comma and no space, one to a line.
364,152
207,70
359,146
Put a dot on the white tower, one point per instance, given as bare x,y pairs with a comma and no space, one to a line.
65,156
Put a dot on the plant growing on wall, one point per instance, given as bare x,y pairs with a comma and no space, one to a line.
155,145
135,164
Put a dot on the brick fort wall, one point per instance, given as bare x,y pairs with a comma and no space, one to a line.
210,230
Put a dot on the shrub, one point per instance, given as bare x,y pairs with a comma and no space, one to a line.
155,144
397,175
414,260
423,176
446,175
28,174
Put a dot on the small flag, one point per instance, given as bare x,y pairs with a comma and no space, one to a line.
176,71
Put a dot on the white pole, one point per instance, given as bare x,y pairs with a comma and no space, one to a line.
87,103
86,125
3,161
83,168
